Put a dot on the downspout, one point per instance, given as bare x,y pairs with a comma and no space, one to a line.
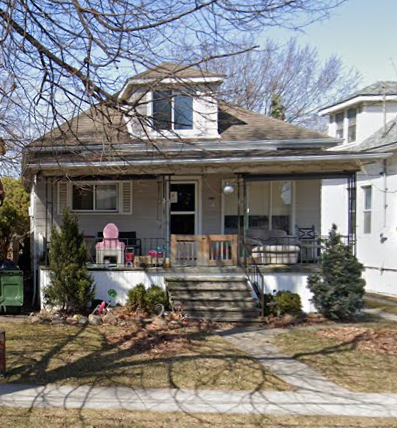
385,190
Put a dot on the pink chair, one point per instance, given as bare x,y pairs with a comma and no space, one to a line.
110,246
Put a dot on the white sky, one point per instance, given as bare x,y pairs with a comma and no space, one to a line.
362,32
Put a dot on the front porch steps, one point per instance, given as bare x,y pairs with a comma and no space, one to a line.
226,299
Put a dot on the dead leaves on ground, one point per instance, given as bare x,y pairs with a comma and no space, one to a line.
363,339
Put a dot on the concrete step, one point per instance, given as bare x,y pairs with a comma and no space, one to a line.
206,278
207,285
212,294
215,298
223,315
215,303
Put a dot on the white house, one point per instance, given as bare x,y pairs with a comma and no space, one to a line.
367,122
182,173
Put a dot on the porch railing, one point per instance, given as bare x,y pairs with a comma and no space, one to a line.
204,250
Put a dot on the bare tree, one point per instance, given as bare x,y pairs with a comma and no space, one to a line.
290,74
65,55
12,126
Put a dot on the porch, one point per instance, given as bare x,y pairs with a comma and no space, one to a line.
266,231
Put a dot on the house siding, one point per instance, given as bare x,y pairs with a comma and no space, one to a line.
377,249
308,210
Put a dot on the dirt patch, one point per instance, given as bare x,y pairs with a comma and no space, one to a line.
364,339
167,335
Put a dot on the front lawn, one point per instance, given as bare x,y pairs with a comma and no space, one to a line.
360,357
151,357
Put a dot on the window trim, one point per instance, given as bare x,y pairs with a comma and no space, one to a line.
174,94
94,184
351,124
367,211
339,124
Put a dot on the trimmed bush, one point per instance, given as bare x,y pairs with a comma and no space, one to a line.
136,297
154,295
288,303
281,303
338,290
146,299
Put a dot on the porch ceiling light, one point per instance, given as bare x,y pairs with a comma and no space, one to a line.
228,188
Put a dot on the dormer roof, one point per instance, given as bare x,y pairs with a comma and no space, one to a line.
170,73
375,92
169,69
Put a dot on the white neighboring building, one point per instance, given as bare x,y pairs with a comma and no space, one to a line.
367,122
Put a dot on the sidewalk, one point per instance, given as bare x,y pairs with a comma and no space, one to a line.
162,400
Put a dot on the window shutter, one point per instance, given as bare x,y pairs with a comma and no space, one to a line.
63,196
126,197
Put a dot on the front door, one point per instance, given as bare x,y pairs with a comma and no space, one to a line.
183,213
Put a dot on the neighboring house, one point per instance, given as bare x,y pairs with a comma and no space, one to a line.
190,176
367,121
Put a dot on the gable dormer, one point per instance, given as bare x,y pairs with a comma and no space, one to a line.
359,115
172,101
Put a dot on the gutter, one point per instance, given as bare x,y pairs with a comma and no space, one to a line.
212,161
194,146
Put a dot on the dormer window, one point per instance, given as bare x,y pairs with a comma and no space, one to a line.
351,123
339,119
172,110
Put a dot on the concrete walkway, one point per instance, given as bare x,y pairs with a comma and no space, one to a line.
255,341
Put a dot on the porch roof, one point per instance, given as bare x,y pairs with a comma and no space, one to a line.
232,159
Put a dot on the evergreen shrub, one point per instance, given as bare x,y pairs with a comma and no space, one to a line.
282,302
146,299
72,286
338,290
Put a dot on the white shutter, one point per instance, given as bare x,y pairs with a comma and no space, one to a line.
126,197
63,196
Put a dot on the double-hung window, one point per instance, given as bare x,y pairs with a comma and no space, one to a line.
367,212
172,110
339,120
95,197
351,121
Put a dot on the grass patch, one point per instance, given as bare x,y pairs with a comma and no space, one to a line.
38,418
387,305
187,358
390,299
357,361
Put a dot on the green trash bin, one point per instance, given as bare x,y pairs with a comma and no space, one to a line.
11,289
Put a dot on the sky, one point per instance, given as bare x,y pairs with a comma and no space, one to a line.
362,32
